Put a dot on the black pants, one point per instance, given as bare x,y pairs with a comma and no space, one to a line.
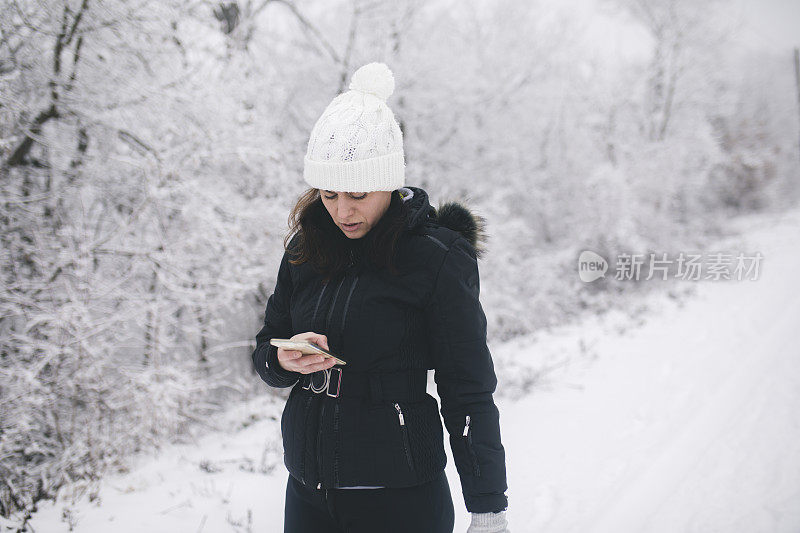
425,508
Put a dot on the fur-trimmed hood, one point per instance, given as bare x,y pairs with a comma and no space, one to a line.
453,214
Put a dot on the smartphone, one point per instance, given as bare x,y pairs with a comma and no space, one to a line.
306,347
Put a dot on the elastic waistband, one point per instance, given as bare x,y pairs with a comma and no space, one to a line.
402,385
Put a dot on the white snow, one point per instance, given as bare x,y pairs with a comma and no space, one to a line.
687,422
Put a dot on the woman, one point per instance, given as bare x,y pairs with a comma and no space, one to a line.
377,276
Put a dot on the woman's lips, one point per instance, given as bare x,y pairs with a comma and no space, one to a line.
352,227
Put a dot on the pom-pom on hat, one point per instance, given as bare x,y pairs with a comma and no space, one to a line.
356,145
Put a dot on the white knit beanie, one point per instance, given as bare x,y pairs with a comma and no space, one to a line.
356,145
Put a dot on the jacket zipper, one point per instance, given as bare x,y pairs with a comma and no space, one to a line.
336,445
404,431
336,405
303,453
316,307
319,444
333,305
327,323
319,433
349,295
473,457
346,305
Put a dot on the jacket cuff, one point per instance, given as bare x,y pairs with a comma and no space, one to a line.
486,503
286,376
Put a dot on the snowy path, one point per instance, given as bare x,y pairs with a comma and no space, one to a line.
687,423
690,423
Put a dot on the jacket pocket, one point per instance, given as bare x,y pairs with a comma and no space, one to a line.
404,432
467,435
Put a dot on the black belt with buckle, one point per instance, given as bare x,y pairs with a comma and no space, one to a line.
402,385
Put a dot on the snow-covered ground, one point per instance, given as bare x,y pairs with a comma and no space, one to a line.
687,422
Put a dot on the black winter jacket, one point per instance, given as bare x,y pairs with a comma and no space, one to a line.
390,330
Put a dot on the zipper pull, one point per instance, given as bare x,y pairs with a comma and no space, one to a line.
466,428
400,414
319,485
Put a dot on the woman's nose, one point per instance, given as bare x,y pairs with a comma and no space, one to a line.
345,208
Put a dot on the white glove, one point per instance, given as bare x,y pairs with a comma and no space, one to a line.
489,523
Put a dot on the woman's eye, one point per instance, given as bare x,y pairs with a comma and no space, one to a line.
333,197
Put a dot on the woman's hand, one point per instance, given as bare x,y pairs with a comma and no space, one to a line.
296,361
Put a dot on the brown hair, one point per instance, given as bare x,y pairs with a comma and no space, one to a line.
320,241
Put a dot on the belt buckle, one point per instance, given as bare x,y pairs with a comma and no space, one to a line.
326,385
331,380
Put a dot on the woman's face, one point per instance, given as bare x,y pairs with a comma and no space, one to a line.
363,209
